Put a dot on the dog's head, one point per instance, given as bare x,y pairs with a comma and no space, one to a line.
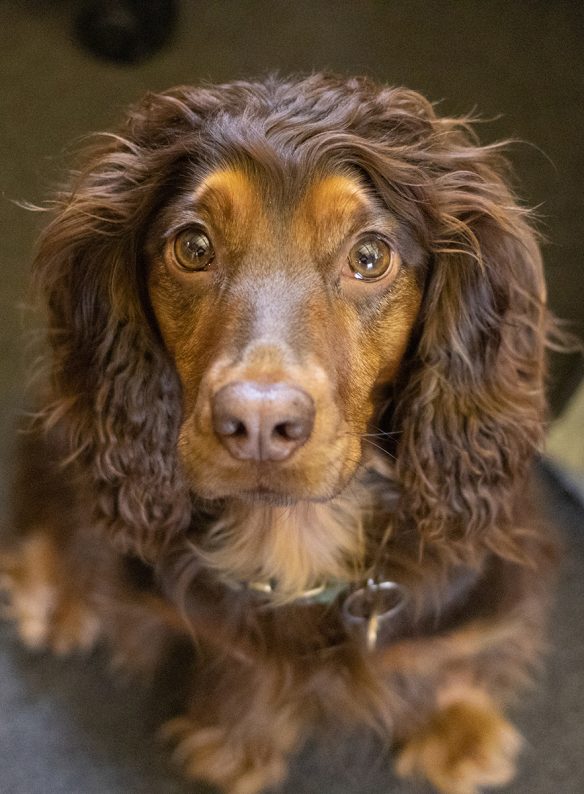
285,290
251,279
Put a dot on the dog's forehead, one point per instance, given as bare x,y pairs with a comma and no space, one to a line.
318,213
331,208
229,196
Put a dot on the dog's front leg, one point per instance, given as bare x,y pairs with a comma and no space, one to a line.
243,723
465,745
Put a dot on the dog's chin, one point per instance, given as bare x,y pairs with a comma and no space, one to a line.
265,496
278,494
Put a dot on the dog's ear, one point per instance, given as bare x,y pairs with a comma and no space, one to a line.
470,414
113,386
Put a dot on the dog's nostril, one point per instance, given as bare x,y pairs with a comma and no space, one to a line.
227,426
237,429
263,422
289,430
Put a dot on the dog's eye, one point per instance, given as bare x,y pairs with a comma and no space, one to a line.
371,258
193,250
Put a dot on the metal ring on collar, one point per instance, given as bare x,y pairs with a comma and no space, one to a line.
373,605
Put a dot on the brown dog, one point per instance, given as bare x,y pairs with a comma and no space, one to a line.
297,334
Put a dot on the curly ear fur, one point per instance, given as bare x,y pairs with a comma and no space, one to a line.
112,384
471,413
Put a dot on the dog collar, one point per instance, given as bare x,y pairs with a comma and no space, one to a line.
325,593
365,610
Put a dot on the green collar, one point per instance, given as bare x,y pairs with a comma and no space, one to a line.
325,593
366,610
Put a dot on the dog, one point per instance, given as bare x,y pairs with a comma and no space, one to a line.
297,333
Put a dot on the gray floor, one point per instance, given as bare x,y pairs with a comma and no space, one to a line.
65,727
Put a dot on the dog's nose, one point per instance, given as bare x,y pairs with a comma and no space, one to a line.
262,422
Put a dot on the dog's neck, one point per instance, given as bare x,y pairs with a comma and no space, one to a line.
299,546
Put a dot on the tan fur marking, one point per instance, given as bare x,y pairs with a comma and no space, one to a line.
44,614
232,201
466,745
211,754
328,211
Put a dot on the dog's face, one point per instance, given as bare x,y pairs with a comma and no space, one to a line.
284,305
233,281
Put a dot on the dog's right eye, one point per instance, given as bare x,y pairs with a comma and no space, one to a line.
193,249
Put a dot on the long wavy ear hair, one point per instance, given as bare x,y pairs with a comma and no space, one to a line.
468,411
112,386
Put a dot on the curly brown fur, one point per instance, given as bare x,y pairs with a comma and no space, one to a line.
426,407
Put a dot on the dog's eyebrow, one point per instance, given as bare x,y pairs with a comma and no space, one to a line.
229,195
336,206
336,195
229,200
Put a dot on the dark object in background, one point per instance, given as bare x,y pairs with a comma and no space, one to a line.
126,31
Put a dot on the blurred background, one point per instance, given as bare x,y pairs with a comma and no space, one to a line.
68,68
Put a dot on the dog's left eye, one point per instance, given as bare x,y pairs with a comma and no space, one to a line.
371,258
193,250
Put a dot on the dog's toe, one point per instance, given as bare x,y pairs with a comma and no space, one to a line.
45,615
209,753
466,746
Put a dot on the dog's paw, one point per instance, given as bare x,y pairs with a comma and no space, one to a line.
210,754
45,615
466,746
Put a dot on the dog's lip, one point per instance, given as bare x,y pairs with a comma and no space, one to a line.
269,487
282,498
268,495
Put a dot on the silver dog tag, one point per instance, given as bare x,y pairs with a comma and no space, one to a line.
372,606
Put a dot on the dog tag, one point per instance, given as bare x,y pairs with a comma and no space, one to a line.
372,606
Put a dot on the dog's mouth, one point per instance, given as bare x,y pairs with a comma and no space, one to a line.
277,498
282,489
268,496
272,486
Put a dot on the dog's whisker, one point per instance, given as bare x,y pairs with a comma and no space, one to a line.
380,448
